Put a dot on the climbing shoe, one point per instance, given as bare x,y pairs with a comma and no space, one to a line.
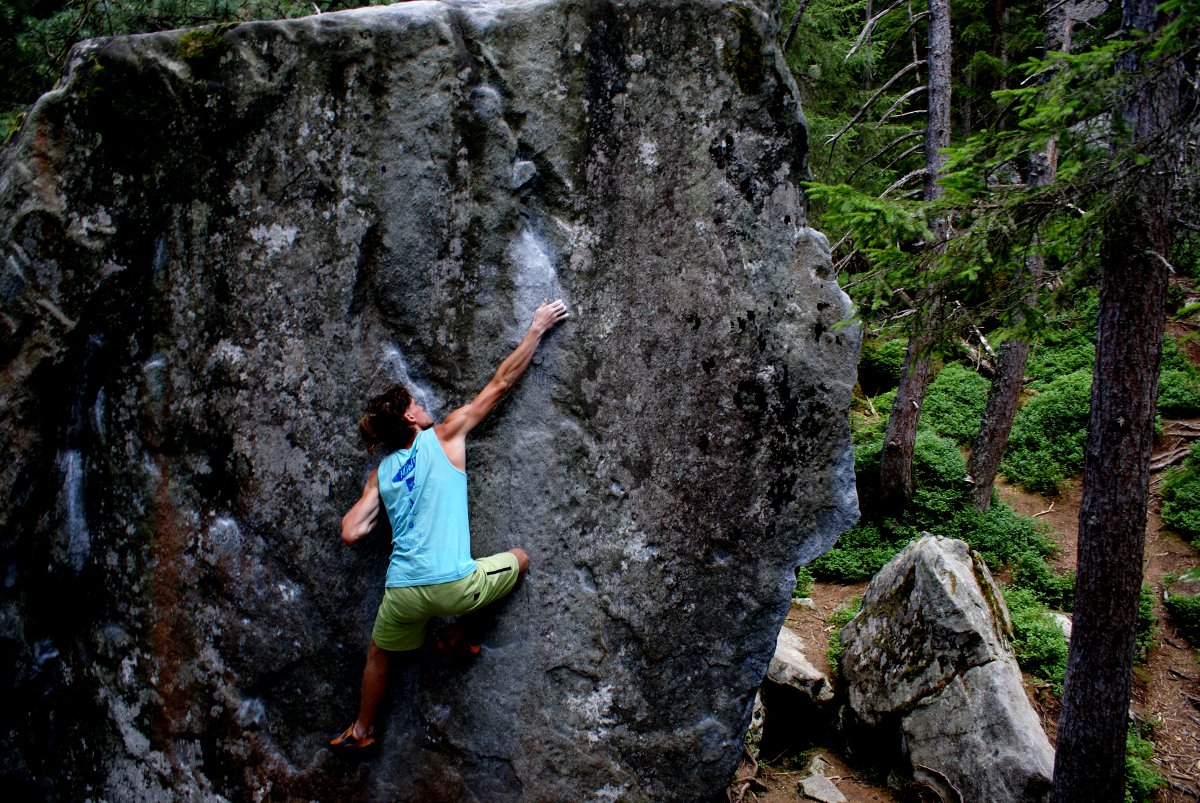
348,741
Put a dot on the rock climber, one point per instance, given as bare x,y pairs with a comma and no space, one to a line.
422,485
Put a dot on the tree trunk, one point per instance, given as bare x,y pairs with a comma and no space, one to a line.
896,480
895,462
987,450
1112,517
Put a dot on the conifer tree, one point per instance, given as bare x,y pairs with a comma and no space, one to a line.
1112,517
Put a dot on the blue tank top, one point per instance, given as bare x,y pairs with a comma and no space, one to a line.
426,502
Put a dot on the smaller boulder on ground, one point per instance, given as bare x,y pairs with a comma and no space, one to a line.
932,682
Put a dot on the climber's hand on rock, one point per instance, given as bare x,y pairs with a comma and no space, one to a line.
548,315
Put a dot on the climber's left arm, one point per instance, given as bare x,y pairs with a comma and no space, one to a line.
360,519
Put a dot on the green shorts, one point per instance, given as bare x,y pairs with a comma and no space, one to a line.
404,612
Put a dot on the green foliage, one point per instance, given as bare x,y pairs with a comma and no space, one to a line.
858,555
1047,363
1185,613
1001,535
881,363
1031,573
1178,384
940,504
840,617
1181,496
804,583
1038,639
1147,625
954,403
1142,781
1048,434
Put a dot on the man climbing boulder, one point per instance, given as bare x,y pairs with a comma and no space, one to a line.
421,483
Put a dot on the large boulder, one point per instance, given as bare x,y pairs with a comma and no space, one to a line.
216,244
931,679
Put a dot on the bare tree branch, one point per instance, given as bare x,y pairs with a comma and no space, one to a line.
866,106
885,149
794,24
866,31
918,173
901,157
914,91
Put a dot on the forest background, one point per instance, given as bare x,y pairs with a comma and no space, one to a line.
989,173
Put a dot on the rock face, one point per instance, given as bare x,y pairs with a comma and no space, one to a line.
216,245
930,673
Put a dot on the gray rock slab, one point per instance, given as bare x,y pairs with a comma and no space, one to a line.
929,655
978,738
214,246
820,788
790,667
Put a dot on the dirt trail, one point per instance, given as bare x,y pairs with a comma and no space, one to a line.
1166,690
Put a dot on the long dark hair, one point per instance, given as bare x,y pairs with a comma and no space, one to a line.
383,424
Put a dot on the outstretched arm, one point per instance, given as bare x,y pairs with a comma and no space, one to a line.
453,431
360,519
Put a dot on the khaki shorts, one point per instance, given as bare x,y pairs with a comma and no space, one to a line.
404,612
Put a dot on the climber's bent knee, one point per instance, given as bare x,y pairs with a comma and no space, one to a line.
522,559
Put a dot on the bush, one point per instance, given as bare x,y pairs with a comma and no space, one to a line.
1053,590
881,363
804,583
1142,781
859,554
1178,382
1046,444
1047,363
1178,394
1185,612
1038,640
1147,625
1001,535
939,477
1181,497
840,617
954,403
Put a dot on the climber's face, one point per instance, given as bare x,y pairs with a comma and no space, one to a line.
417,416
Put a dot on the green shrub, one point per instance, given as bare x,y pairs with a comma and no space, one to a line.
1053,590
1178,382
881,363
1047,363
1147,625
1185,612
858,555
1001,535
840,617
804,583
1142,781
1181,497
1048,434
1038,640
939,477
1178,393
954,403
